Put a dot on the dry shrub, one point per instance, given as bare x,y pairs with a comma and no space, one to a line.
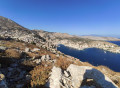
31,46
4,61
13,44
40,74
63,62
11,53
53,56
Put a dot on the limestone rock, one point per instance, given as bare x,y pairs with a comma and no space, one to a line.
35,49
55,77
74,76
27,49
66,74
37,61
45,58
2,48
79,73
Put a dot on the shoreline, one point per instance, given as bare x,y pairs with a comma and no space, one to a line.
111,49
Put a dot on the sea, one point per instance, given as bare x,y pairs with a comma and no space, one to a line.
95,56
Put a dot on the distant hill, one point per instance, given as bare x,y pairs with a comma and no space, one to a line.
54,35
100,38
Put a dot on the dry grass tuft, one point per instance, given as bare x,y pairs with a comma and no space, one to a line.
63,62
11,53
40,74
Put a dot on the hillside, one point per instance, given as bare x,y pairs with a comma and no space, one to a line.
29,59
25,65
10,29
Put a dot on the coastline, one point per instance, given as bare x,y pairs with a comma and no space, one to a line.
105,46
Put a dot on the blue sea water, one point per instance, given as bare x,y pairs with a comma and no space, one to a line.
94,56
115,42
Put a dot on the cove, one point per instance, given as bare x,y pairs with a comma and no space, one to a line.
94,56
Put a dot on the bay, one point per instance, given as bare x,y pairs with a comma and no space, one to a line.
94,56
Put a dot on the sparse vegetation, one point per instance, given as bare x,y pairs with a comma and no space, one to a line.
40,74
63,62
12,53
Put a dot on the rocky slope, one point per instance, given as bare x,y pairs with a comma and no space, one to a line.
77,42
25,65
28,59
10,29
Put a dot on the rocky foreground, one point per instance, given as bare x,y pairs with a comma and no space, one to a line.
74,76
29,59
25,65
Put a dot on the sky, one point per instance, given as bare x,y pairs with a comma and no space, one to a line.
77,17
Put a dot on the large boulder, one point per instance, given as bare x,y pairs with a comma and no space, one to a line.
55,77
74,76
78,73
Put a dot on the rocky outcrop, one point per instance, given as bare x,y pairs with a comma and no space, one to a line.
44,58
79,73
55,78
74,76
